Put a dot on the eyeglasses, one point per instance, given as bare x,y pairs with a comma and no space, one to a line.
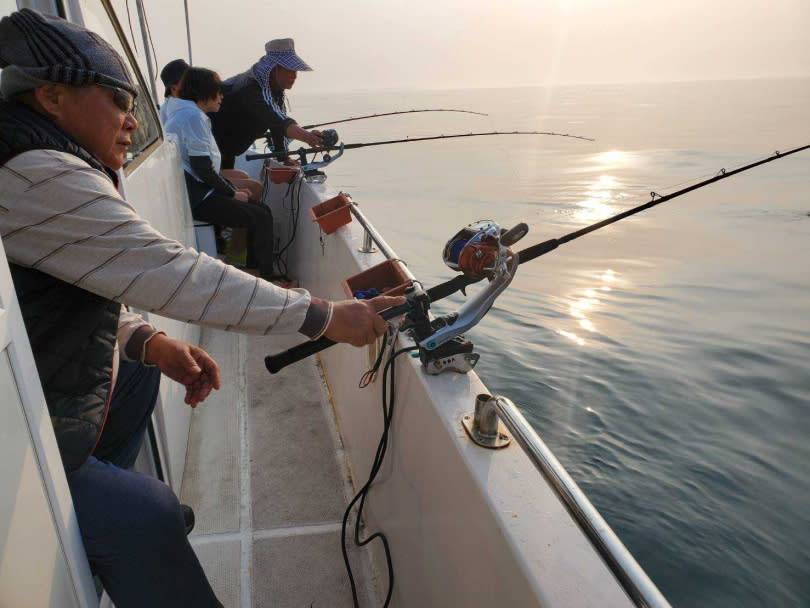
123,100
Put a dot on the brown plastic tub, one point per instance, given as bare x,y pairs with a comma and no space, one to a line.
282,175
388,278
332,214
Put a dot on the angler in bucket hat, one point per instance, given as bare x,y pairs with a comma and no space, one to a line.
77,251
256,103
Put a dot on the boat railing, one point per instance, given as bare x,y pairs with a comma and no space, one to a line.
483,427
371,237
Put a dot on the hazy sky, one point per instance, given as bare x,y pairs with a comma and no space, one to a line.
366,44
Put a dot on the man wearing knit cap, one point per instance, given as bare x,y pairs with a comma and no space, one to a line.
171,74
77,251
255,103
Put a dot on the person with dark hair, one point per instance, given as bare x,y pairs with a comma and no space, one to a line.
171,74
256,103
214,198
77,251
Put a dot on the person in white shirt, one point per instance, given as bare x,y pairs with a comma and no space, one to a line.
214,198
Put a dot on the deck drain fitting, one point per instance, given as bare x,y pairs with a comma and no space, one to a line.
483,426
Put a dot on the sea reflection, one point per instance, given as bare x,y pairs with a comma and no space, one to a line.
600,194
581,307
606,189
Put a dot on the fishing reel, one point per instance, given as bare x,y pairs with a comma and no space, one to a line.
312,170
479,250
330,138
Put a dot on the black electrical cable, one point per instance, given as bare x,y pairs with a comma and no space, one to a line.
382,447
294,192
371,374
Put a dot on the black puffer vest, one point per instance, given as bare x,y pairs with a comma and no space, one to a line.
72,331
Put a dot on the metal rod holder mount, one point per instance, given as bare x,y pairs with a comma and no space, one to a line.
484,426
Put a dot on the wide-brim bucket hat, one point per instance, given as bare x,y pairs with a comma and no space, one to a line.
282,51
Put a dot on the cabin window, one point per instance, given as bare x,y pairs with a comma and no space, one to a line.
148,135
7,7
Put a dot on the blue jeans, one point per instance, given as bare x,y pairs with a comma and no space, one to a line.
131,524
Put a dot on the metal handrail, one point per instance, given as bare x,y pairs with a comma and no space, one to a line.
625,568
372,233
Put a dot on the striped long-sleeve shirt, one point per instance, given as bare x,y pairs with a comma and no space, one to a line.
62,217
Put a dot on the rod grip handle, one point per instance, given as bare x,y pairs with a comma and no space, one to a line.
275,363
261,156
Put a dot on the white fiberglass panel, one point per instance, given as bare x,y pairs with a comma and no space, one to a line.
33,571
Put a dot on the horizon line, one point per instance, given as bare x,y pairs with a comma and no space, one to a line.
557,84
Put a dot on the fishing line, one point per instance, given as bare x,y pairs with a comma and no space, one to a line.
303,152
460,282
149,35
274,363
131,31
353,118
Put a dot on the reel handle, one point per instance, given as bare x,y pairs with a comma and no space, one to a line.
275,363
514,234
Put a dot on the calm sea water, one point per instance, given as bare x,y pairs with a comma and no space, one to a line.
663,359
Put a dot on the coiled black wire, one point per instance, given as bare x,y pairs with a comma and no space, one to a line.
294,192
388,394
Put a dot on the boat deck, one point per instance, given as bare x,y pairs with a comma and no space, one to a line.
266,477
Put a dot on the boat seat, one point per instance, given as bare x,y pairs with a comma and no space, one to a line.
206,238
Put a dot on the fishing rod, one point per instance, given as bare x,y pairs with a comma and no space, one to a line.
422,300
302,152
351,119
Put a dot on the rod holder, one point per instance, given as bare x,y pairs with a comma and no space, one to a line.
368,243
484,426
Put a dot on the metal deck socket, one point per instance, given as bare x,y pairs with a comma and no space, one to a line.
483,426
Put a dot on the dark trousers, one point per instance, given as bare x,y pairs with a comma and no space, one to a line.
225,211
131,524
228,160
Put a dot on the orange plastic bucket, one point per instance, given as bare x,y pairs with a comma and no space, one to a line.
282,175
332,214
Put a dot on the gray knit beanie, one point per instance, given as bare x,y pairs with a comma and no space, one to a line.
36,49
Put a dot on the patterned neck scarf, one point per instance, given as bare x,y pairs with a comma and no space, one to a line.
261,72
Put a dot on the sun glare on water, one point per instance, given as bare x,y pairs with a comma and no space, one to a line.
600,194
580,308
597,204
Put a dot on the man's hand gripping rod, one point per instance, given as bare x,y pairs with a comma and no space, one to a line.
500,274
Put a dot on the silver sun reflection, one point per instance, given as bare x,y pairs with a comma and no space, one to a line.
605,190
582,306
597,204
